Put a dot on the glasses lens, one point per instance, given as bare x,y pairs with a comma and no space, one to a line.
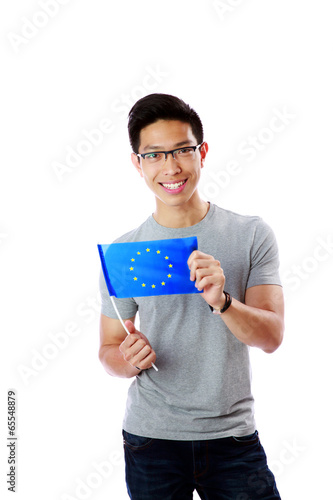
154,157
184,154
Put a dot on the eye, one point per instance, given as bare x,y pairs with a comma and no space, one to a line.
153,156
185,151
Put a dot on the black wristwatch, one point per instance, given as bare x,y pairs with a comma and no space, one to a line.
228,301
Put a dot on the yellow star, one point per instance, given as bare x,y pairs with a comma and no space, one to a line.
138,253
153,286
131,268
158,251
132,260
163,284
169,275
147,249
135,278
143,284
170,265
166,258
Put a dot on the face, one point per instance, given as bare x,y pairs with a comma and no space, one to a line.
173,182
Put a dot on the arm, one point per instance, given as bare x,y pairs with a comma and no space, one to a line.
120,353
259,322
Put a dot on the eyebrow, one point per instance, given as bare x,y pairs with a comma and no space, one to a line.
160,148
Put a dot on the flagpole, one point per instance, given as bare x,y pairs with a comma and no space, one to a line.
123,324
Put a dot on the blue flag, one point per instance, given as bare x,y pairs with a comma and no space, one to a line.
146,268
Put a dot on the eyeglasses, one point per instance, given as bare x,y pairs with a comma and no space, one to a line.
185,154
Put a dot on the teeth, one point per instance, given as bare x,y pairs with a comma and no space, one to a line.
174,186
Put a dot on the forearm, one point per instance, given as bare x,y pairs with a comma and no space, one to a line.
253,326
114,362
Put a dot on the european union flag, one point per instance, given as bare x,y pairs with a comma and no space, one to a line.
146,268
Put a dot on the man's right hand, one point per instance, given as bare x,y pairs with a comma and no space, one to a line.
136,348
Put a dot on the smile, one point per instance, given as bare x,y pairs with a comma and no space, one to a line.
174,185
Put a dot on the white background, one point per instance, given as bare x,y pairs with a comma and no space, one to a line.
65,69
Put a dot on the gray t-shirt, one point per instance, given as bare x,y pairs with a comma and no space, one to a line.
203,387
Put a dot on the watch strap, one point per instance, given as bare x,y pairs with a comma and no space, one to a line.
228,300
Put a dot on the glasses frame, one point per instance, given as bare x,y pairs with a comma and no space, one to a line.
172,151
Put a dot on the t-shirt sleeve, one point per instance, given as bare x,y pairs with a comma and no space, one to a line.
126,307
264,255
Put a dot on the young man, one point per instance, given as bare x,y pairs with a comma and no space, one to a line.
190,426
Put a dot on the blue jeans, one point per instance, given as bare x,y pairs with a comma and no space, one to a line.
229,468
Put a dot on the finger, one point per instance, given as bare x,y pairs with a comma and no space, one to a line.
130,326
209,281
212,270
212,276
196,254
129,341
195,264
146,362
132,351
134,348
200,267
141,355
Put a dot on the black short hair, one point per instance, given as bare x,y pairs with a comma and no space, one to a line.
154,107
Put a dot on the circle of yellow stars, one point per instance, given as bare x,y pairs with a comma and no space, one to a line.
144,285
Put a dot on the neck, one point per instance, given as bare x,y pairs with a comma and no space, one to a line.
181,216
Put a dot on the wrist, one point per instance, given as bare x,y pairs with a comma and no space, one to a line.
225,305
217,306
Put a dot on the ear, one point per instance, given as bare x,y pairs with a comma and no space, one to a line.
136,162
203,153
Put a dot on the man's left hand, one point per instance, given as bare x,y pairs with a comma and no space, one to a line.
208,276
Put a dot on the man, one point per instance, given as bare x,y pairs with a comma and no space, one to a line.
190,426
